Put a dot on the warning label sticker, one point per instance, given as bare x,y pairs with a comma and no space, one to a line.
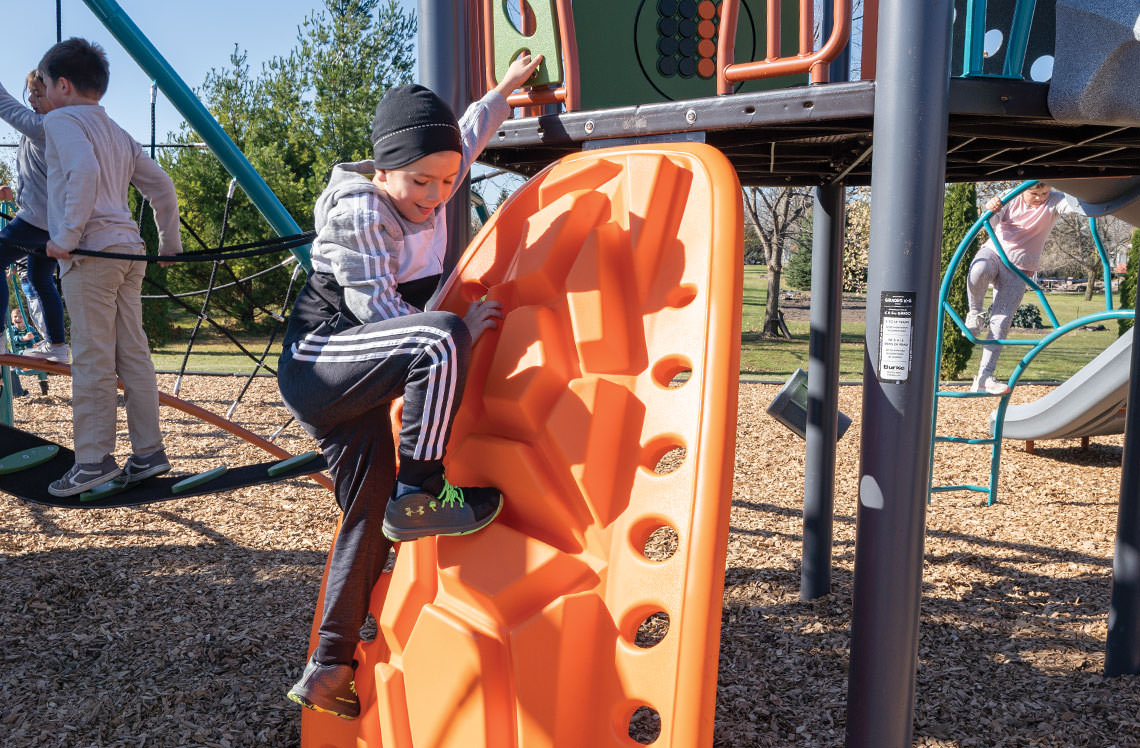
896,335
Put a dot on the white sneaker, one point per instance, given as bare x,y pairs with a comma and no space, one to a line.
975,323
58,352
989,385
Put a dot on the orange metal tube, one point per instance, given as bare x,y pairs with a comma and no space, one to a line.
569,53
870,39
807,30
38,364
774,40
726,41
815,64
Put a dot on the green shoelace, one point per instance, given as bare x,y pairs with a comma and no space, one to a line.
450,495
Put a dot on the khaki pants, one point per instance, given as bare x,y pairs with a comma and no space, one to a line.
107,339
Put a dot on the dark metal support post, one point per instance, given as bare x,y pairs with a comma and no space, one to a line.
1122,648
443,60
909,168
823,369
823,389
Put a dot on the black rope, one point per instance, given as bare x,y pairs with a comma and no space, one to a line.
209,285
237,282
233,276
269,343
207,319
233,252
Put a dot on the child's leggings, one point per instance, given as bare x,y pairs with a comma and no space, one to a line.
340,388
987,270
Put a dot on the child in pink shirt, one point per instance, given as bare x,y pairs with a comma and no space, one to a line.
1022,226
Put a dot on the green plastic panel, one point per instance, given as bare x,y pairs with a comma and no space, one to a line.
291,463
196,480
27,458
105,490
665,50
510,42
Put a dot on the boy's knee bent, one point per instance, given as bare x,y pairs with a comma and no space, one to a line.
453,326
982,270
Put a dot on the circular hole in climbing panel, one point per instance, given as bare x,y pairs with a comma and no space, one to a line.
663,455
652,630
672,372
654,540
645,725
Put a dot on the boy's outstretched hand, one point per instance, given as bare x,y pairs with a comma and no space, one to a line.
482,316
518,73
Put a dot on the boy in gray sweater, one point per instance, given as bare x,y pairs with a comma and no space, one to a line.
91,161
358,338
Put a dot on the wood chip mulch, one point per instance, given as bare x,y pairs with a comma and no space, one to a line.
184,623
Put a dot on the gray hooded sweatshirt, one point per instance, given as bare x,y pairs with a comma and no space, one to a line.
368,247
31,166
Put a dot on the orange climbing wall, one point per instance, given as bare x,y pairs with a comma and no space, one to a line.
619,271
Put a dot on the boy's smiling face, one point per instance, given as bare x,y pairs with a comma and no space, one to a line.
418,188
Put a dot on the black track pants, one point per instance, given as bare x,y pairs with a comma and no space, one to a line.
340,387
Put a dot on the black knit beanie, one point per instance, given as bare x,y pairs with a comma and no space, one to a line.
412,122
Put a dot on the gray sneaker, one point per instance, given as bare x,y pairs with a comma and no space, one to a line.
140,467
327,688
58,352
85,475
422,512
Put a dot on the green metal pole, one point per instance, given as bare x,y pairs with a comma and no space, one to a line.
148,58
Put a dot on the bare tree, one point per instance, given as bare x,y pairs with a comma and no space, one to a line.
776,215
1070,247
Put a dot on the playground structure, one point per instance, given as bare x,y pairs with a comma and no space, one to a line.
822,135
1090,404
605,411
992,123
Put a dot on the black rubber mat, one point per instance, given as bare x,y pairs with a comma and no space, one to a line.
31,484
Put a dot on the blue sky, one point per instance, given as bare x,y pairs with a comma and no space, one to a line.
193,35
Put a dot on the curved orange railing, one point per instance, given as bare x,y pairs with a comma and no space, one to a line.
39,364
567,93
806,61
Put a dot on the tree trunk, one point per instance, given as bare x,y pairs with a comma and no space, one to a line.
772,310
1090,287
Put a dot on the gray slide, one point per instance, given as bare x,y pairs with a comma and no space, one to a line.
1090,403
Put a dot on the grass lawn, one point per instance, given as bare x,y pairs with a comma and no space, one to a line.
212,353
777,358
761,357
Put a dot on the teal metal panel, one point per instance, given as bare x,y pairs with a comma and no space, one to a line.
150,60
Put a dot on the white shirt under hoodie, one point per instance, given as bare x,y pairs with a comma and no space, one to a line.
90,163
364,242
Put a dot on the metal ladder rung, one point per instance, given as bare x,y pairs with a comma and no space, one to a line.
961,487
963,440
